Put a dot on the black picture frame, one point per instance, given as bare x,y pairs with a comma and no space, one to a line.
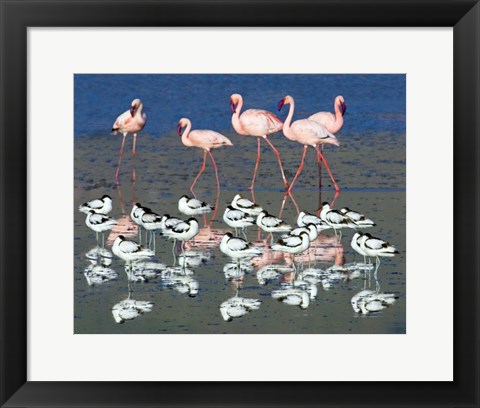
18,15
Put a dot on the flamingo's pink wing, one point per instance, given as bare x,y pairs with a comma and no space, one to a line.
208,138
260,122
122,120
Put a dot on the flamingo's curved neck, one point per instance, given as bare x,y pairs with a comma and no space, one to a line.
288,120
236,117
139,116
338,112
185,134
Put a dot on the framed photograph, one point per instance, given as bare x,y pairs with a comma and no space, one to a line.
213,203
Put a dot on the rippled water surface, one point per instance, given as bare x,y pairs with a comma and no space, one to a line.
369,167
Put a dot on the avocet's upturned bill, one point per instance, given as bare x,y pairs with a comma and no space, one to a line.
359,219
130,251
245,205
192,206
335,219
99,222
99,205
270,223
238,248
237,218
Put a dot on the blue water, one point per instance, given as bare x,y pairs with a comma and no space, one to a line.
375,103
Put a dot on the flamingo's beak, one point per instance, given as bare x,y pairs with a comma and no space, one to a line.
132,110
280,104
179,129
343,107
232,106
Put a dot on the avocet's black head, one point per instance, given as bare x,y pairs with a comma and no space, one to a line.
184,196
229,235
121,237
138,205
106,196
192,219
324,204
264,212
91,212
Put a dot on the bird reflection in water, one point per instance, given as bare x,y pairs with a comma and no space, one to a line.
145,271
129,309
180,279
237,307
99,272
370,301
125,226
193,259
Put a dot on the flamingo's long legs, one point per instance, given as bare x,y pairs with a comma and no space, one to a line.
218,188
201,170
299,168
120,157
319,153
256,164
216,170
279,161
294,202
288,194
215,210
134,173
319,170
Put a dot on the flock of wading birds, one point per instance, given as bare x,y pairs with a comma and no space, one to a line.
242,213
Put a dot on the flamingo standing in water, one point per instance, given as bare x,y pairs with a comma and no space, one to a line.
259,123
332,122
203,139
131,121
308,133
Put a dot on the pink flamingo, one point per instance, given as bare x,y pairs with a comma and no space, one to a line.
131,121
203,139
259,123
332,122
308,133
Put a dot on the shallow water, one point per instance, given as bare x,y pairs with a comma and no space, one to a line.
369,166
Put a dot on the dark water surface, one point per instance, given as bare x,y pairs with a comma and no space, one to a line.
369,167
